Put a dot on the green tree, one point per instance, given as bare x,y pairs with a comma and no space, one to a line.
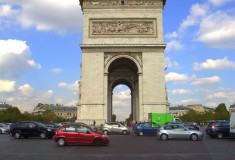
221,112
113,118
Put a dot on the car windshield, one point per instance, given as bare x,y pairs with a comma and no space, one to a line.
41,124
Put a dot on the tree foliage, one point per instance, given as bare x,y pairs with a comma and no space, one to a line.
113,118
13,114
221,113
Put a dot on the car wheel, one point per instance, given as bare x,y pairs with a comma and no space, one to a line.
0,131
141,134
17,135
220,135
97,142
61,142
194,137
106,132
124,132
42,135
164,137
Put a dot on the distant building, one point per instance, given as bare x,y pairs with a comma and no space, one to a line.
59,110
178,111
4,106
197,107
232,108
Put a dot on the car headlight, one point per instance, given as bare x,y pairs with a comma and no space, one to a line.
105,135
49,130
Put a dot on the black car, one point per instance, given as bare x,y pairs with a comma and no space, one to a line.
52,125
31,129
218,129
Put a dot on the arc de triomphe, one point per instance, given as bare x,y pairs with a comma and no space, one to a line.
122,44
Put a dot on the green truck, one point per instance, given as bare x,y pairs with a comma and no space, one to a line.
162,118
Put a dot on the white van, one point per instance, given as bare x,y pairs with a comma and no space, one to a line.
232,124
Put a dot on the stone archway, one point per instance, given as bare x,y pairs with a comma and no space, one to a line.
122,44
123,70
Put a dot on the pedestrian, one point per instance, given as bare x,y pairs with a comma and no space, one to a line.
94,122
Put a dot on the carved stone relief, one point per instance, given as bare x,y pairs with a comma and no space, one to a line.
123,27
121,3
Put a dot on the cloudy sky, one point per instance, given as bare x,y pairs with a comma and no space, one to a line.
40,54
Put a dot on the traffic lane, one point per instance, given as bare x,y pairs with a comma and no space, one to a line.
221,149
121,147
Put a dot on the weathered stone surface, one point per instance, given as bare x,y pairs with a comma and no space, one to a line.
122,44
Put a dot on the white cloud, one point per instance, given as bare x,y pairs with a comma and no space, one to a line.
15,59
26,90
176,77
122,95
189,101
171,35
174,45
60,16
211,104
6,11
7,86
221,95
206,81
32,63
219,2
181,91
217,30
72,103
73,87
197,11
171,64
214,64
56,70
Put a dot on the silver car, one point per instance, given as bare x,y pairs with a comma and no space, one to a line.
115,127
4,128
178,131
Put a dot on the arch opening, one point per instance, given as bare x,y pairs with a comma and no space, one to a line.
123,72
121,102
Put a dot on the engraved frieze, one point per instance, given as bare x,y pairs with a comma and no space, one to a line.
121,3
143,28
123,27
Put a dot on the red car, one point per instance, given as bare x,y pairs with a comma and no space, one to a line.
79,134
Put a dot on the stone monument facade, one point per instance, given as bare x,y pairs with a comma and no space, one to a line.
122,44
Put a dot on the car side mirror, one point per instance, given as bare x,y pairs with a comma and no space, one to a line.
88,132
185,129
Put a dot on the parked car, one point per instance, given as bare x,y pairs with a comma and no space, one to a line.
146,128
218,129
4,128
31,129
79,134
52,125
189,126
115,127
178,131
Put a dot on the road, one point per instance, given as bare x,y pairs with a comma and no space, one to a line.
121,148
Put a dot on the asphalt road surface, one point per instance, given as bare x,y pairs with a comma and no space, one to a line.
122,147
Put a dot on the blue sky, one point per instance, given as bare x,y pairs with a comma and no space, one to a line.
40,54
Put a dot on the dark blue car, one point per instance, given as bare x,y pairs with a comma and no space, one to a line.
146,128
218,129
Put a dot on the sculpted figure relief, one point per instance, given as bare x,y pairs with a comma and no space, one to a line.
117,3
122,27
